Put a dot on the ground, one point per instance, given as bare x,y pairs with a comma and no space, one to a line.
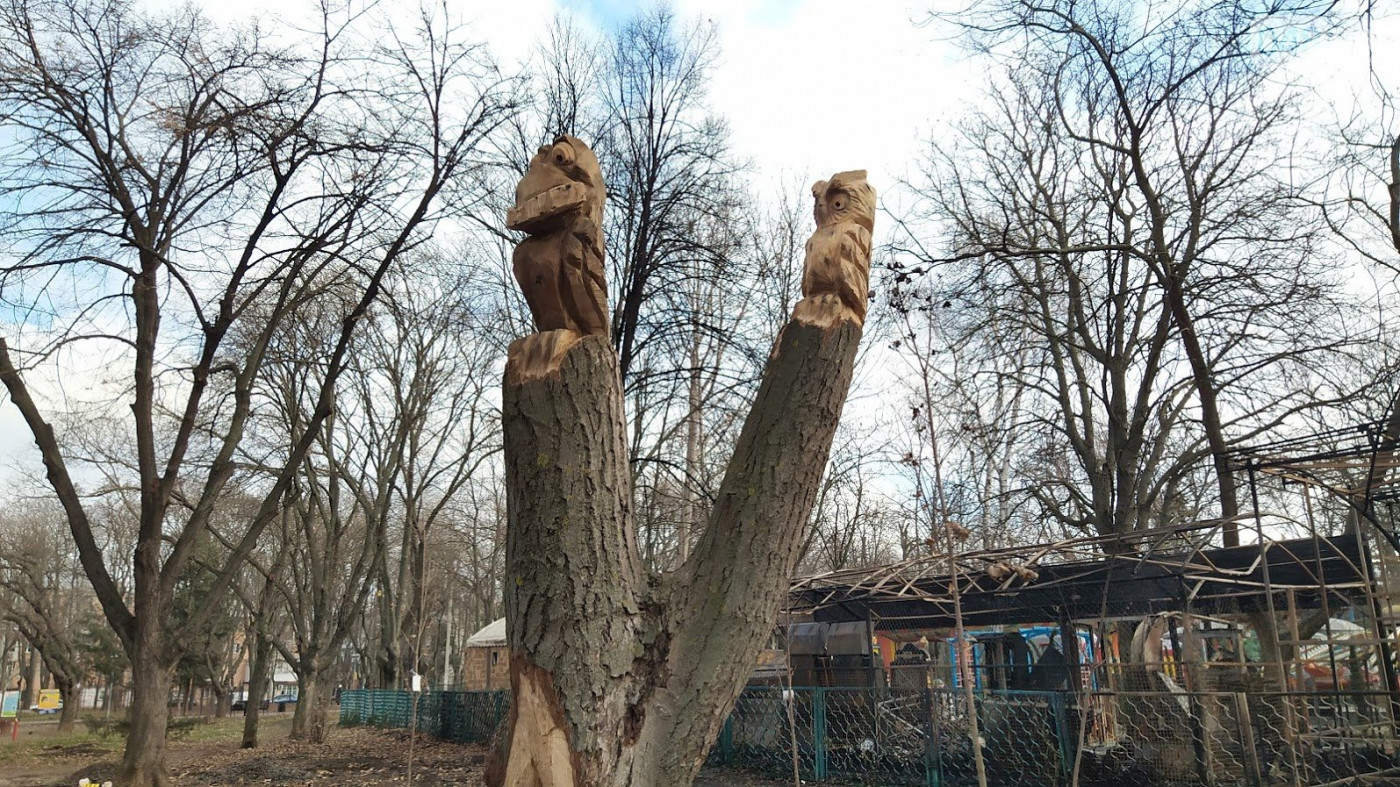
209,755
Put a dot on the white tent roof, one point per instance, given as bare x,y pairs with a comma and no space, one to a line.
493,634
1341,629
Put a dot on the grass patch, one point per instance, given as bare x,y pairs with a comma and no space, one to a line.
230,730
104,738
56,749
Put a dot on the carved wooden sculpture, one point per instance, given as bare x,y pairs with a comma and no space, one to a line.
836,274
559,203
621,677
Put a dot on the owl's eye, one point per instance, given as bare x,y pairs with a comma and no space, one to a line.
838,202
562,154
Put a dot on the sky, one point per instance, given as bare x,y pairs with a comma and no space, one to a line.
809,87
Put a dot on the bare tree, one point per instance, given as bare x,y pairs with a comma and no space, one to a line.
1129,189
264,623
854,524
170,175
41,597
426,393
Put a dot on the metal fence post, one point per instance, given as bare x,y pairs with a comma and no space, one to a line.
818,734
446,707
1252,767
726,741
1059,709
933,757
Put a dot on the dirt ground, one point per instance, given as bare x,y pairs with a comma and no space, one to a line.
358,756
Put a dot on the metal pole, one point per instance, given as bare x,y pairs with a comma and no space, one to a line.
1198,733
1386,644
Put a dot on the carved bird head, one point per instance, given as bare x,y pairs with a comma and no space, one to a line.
846,197
563,180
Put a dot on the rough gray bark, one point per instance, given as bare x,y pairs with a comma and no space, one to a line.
29,694
621,677
152,670
313,696
69,692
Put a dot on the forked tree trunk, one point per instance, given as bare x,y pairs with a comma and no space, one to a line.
621,678
223,698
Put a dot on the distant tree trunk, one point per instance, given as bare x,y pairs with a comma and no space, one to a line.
223,698
621,679
387,655
690,517
1203,377
30,695
257,689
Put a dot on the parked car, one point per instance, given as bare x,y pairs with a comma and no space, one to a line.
283,700
241,704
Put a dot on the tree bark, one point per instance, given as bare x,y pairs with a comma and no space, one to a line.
70,693
620,678
223,698
144,761
313,696
30,695
260,659
257,689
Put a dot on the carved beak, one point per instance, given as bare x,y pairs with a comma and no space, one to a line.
536,212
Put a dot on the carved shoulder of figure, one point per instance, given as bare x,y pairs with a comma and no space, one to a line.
585,247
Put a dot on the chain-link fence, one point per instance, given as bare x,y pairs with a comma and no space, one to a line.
883,736
895,737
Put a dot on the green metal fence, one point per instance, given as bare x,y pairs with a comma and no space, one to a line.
881,736
461,716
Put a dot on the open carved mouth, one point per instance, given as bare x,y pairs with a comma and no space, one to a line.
545,205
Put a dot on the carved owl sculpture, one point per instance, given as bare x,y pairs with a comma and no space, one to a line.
559,204
836,272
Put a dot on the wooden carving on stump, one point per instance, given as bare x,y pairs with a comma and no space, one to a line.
836,274
622,677
559,204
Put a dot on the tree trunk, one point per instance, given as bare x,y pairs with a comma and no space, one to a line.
257,689
387,656
223,698
143,764
30,695
70,693
313,697
621,679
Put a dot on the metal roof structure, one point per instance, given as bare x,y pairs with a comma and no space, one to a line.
1103,577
